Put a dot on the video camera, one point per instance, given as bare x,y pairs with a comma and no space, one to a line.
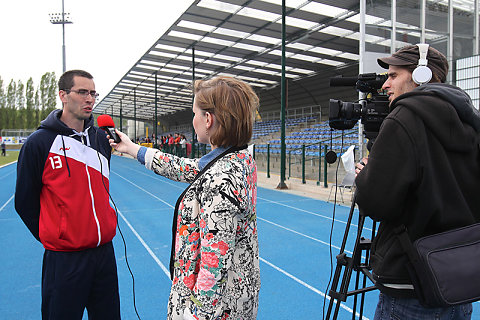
372,109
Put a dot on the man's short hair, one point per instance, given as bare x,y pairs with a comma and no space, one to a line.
408,56
66,80
234,103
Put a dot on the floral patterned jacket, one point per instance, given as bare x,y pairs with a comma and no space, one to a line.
216,272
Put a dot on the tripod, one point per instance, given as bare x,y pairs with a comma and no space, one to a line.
350,264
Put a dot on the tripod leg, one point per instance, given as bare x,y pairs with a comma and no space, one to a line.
362,298
340,262
367,259
348,271
357,281
336,297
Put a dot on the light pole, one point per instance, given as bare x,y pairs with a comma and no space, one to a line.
61,18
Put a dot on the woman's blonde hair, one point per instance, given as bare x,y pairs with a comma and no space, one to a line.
234,103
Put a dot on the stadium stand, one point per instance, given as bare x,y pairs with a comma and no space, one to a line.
313,137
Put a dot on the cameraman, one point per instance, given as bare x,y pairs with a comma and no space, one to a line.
423,171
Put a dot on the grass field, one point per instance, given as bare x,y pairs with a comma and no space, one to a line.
12,155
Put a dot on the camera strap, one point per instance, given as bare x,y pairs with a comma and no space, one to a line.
406,243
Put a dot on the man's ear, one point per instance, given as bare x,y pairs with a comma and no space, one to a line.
63,96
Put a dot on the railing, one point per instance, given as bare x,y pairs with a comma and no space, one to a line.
22,133
301,112
199,150
293,159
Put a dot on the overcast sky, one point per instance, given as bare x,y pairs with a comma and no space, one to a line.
106,38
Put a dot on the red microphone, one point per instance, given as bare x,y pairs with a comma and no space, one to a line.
105,122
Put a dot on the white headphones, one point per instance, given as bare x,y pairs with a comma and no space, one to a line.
422,74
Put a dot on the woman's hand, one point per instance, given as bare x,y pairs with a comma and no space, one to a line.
359,166
124,146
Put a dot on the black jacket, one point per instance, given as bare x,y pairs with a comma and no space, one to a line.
423,171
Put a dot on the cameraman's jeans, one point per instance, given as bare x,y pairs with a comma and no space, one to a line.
389,308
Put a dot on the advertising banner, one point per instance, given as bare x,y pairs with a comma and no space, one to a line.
12,140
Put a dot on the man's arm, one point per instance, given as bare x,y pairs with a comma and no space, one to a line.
28,186
385,181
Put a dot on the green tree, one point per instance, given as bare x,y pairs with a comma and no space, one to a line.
47,94
38,110
2,106
24,107
52,93
43,94
10,105
30,105
20,106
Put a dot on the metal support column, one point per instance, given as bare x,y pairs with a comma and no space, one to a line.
325,173
156,118
393,18
268,160
361,53
135,115
64,52
283,148
192,152
303,164
63,18
422,20
121,128
319,164
476,31
450,42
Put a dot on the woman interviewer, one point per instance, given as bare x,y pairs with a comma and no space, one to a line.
214,262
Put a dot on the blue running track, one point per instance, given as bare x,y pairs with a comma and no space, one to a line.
294,234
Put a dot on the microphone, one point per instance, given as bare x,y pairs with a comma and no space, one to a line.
105,122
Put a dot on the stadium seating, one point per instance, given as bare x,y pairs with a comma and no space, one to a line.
313,137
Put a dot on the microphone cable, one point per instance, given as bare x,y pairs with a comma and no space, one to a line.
118,226
332,224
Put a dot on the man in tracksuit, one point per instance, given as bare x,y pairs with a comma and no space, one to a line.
62,197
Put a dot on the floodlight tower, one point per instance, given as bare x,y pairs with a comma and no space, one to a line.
63,19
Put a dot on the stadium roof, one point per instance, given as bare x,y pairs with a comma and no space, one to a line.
242,38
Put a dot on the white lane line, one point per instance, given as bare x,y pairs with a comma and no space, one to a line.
146,191
145,245
310,212
306,285
6,203
8,164
7,174
268,200
302,234
277,225
155,176
260,258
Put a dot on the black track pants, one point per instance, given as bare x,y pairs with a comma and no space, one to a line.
73,281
